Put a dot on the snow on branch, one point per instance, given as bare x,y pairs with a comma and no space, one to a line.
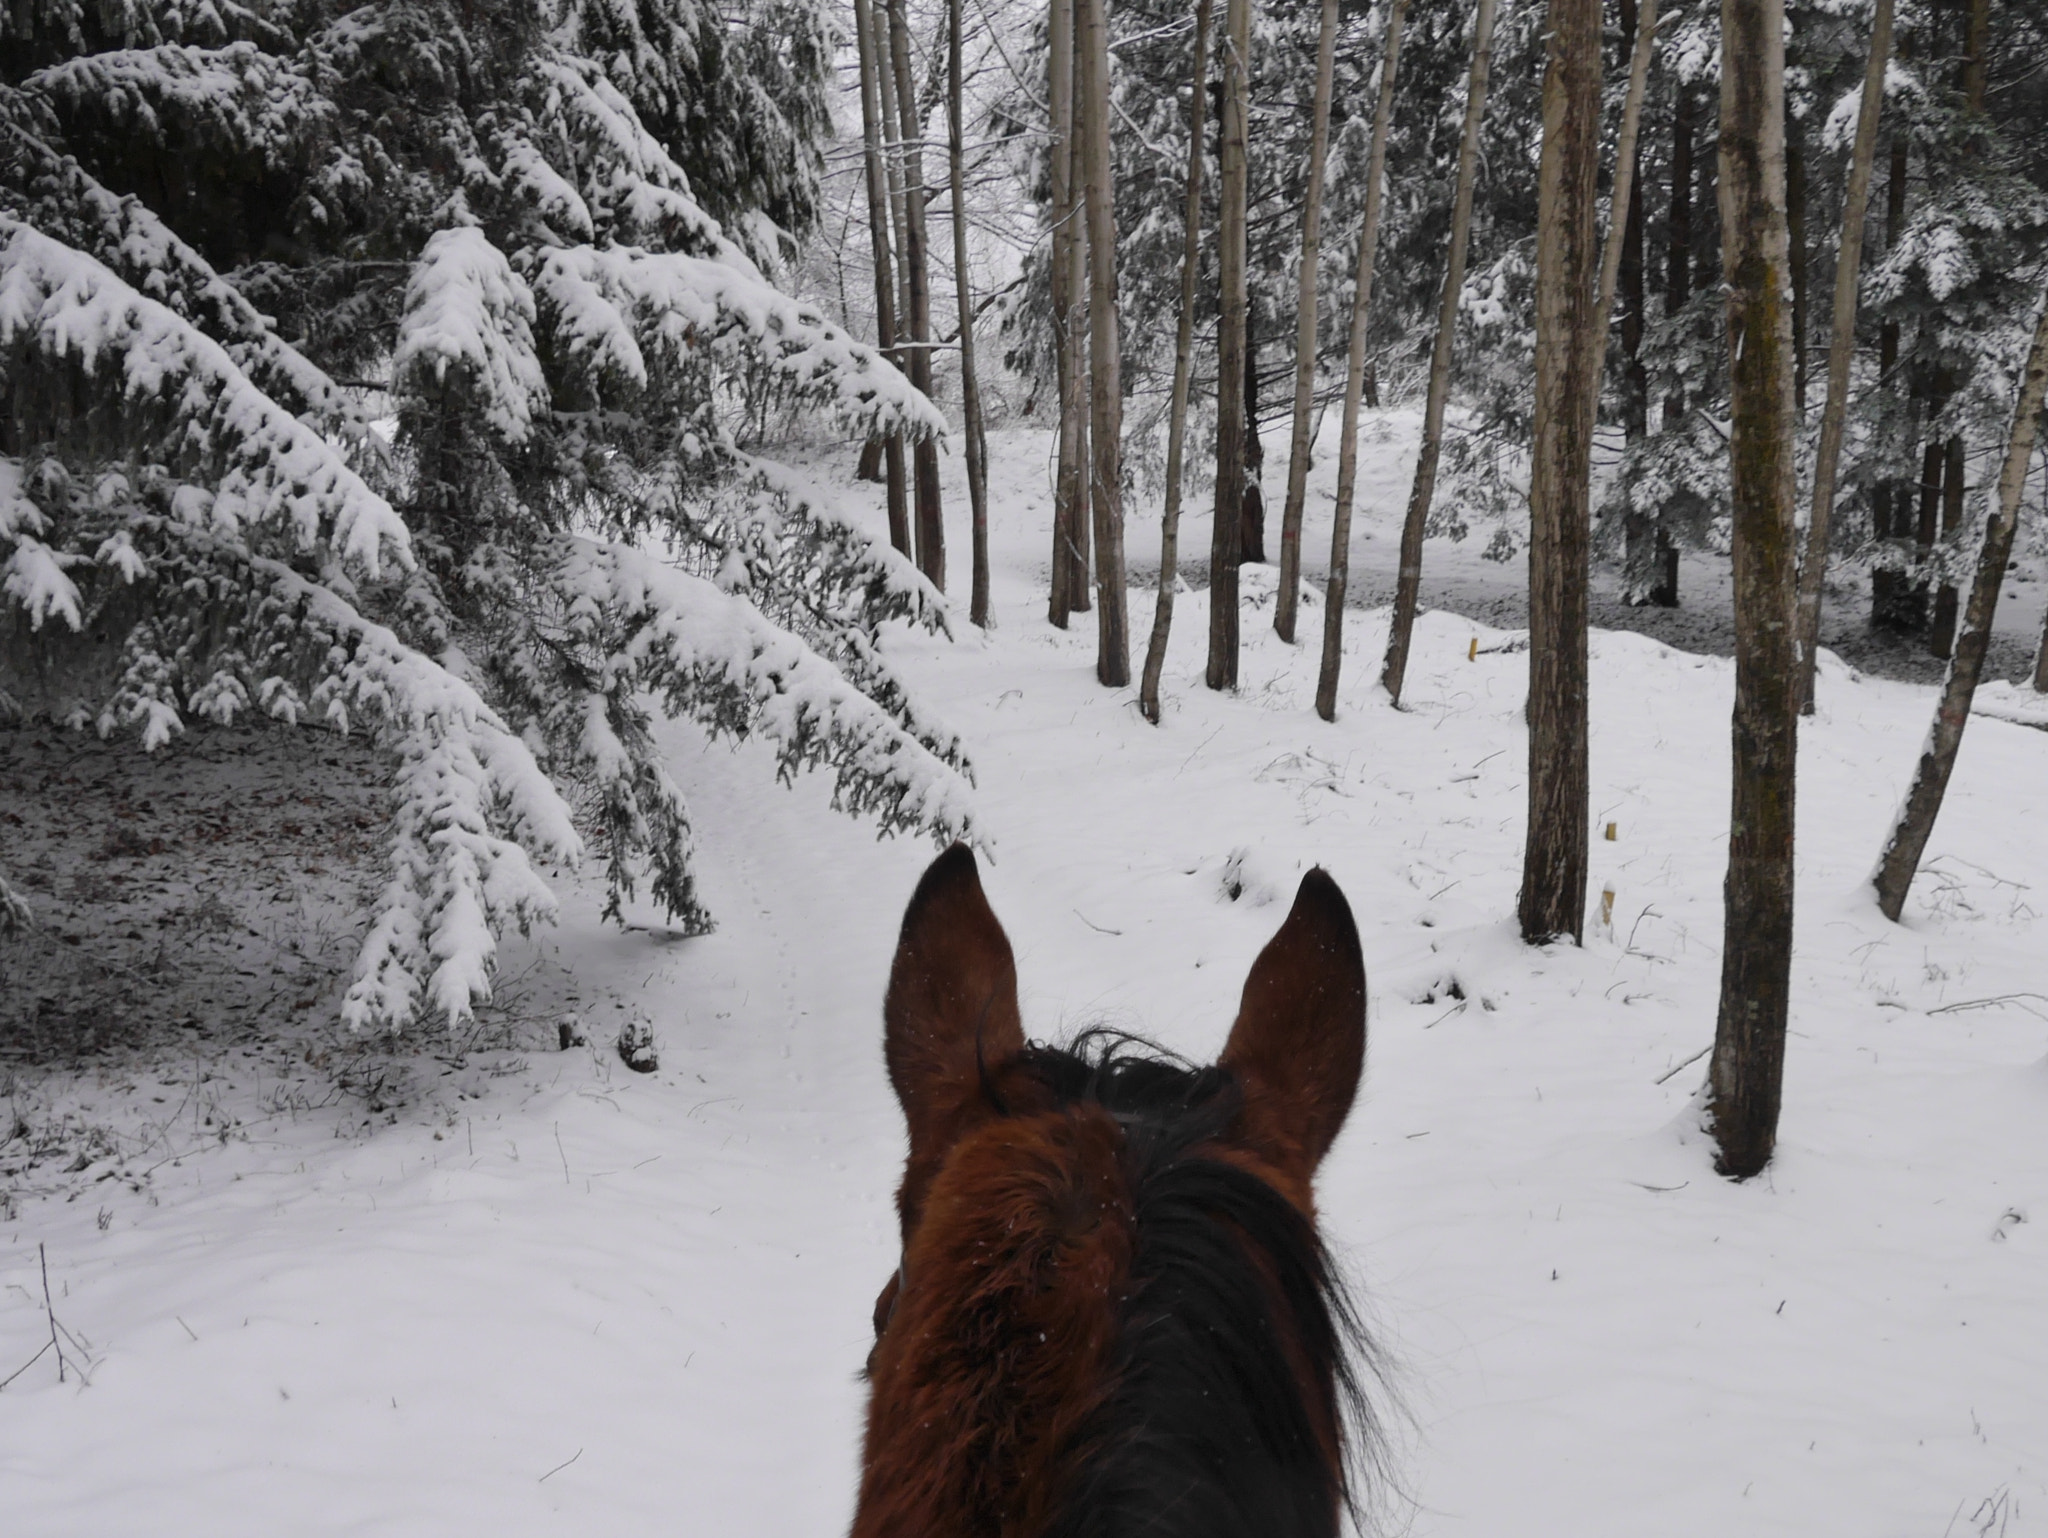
267,468
239,96
713,656
52,192
466,308
468,798
608,303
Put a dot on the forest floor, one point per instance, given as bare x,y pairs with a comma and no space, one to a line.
533,1292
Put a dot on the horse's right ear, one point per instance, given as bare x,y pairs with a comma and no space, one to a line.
949,1016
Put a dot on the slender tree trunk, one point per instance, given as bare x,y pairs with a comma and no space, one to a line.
1289,597
1408,581
1570,289
1756,952
1355,372
890,449
1183,360
892,142
1841,354
930,524
1226,542
1635,401
1251,536
1105,375
1080,541
970,386
2041,661
1678,248
1070,480
1901,857
1941,634
1614,251
1795,222
1892,602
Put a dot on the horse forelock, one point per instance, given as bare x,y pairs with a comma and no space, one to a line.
1111,1321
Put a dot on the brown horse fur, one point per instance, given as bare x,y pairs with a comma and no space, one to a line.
1113,1313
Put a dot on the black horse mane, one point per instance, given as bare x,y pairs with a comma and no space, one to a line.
1207,1433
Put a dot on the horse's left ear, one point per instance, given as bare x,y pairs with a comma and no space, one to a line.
949,1017
1298,1046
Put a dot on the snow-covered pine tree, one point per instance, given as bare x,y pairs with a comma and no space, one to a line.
384,368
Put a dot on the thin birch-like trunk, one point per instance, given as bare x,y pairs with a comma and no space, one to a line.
1901,857
970,386
1226,546
1069,479
1105,374
930,523
1573,288
1841,354
1183,361
1747,1073
1623,196
885,278
1408,579
1289,598
1355,373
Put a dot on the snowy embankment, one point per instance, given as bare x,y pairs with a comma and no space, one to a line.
582,1300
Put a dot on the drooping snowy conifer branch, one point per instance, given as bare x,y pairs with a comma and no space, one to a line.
265,469
54,194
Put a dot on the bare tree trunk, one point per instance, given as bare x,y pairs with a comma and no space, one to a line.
970,386
1678,224
1622,199
1183,359
1795,224
1355,371
1571,287
1901,857
930,526
1225,544
1069,563
892,141
1635,402
891,447
1756,954
1289,597
1251,536
2041,661
1408,581
1841,354
1893,603
1105,425
1941,633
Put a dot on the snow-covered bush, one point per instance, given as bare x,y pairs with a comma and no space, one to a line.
378,369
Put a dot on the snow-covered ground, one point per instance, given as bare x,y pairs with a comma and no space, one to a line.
570,1298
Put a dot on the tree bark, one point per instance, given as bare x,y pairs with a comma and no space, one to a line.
1893,605
1408,581
1070,520
1105,374
1622,199
1678,228
1226,541
1251,532
1941,632
1795,222
891,447
970,386
930,523
1756,957
1298,448
1570,340
1901,857
1841,354
1183,360
1635,401
1355,372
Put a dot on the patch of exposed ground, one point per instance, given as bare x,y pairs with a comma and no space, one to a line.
194,917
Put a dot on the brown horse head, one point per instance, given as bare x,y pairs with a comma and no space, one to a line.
1113,1315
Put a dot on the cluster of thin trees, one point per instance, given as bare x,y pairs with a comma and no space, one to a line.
1779,577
